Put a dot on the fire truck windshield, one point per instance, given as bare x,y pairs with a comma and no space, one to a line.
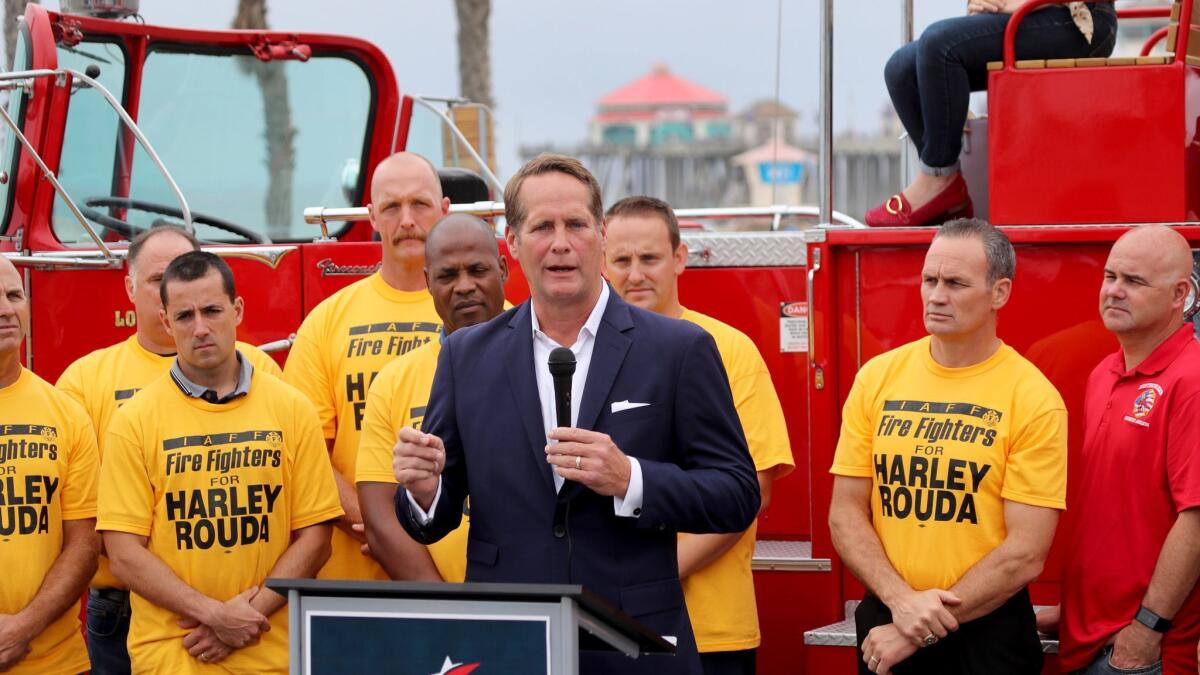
249,143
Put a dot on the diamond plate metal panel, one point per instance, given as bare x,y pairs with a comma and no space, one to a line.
787,556
745,249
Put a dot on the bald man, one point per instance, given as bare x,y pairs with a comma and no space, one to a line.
466,276
48,540
348,338
1128,592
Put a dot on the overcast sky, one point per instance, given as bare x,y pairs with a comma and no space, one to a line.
551,59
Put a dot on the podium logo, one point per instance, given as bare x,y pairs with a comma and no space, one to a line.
451,668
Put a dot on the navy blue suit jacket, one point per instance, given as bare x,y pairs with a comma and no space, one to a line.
697,473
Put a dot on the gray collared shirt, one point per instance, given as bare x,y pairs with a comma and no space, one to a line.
193,390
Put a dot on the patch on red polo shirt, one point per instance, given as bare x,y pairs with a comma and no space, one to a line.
1143,405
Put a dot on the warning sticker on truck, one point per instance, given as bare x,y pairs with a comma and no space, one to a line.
793,327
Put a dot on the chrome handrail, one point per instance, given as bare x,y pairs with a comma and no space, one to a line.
458,134
319,215
825,157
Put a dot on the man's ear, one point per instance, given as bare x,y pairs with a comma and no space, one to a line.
503,270
511,239
371,217
681,256
239,310
1001,292
162,318
129,285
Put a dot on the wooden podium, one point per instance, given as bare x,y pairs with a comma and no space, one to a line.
427,628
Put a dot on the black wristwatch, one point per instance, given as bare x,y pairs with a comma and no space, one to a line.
1152,621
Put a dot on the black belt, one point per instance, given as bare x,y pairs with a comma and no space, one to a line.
112,594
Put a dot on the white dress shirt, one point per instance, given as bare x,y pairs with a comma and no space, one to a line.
631,505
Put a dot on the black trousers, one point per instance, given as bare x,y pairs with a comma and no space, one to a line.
1004,642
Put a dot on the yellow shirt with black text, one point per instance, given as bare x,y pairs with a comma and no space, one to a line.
720,597
218,490
944,448
397,399
342,344
48,463
105,379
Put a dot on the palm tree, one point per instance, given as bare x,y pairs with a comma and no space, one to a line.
12,10
280,134
474,62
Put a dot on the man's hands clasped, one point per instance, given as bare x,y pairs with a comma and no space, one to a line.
919,619
227,626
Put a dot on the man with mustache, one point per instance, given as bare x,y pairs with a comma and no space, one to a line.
643,258
466,276
1129,598
214,478
348,338
106,379
950,474
48,541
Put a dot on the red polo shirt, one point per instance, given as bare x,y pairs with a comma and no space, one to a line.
1141,467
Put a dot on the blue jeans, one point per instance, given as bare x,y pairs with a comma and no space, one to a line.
1101,666
107,631
931,80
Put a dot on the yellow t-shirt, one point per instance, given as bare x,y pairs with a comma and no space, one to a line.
397,399
342,344
944,448
105,379
720,597
48,464
218,490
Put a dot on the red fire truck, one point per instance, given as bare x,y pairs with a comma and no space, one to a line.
112,126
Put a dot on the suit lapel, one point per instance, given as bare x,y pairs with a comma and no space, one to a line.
523,382
608,354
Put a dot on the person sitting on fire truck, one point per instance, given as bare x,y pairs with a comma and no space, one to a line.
643,259
48,541
104,381
950,474
214,478
1129,595
930,82
466,276
348,338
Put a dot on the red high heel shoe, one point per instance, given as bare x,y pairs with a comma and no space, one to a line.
952,202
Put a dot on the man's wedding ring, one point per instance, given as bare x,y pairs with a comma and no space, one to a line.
578,462
930,640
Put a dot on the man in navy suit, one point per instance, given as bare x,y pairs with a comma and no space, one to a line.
655,446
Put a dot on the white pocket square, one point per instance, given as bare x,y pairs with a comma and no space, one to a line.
620,406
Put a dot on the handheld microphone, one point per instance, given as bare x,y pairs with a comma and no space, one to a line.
562,367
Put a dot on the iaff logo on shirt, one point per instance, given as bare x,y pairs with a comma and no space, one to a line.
227,512
1143,405
388,340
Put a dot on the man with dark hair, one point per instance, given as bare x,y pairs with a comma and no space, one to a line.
466,276
48,511
643,258
950,475
654,445
213,479
1129,596
106,379
348,338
